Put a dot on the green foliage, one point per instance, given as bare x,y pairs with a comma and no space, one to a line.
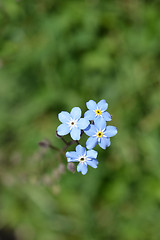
55,55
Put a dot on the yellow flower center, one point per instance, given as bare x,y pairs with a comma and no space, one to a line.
98,112
100,134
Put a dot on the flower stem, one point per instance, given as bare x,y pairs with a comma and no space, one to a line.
61,138
47,144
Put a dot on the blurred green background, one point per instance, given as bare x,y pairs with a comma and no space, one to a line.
55,55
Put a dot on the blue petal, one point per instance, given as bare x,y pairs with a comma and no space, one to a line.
75,133
90,115
97,117
102,105
110,131
76,113
90,130
92,154
96,161
91,105
83,123
105,142
64,116
100,123
82,167
91,142
106,116
72,160
63,129
72,154
93,163
80,150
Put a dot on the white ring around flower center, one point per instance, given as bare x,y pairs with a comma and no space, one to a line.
72,123
82,159
100,136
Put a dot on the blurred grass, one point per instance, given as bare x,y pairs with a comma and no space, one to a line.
55,55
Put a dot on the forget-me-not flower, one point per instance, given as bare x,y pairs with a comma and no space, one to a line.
99,133
72,123
97,111
83,157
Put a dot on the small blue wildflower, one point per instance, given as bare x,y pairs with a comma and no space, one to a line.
97,110
99,133
83,157
72,123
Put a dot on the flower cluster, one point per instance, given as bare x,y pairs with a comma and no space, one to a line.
94,125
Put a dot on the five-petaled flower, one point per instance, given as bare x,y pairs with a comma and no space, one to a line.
94,125
72,123
97,111
83,157
99,133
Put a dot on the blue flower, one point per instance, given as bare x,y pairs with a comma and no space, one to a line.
99,133
83,157
72,123
97,111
